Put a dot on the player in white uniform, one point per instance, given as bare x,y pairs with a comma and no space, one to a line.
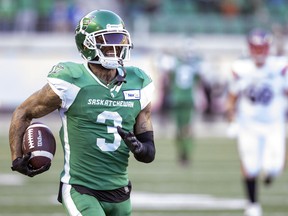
257,103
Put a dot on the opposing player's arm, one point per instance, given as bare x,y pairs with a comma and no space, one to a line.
233,93
142,143
231,107
37,105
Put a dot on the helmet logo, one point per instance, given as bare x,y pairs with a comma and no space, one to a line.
85,23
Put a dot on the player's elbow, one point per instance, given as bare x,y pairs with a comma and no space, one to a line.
148,157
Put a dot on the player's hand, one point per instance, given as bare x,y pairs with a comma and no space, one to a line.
21,165
130,140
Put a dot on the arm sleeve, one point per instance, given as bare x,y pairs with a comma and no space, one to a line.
147,155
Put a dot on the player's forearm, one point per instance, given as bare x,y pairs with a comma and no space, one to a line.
18,125
230,115
231,107
147,153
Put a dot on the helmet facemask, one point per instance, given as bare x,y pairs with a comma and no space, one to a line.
112,47
259,53
259,42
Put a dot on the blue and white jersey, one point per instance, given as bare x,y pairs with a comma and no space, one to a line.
260,90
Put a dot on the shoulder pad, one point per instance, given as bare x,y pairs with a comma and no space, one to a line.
138,72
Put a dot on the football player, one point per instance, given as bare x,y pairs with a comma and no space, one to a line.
180,74
105,110
257,103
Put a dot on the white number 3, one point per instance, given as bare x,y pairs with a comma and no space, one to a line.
117,120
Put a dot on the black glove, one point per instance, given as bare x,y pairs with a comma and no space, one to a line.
131,141
21,165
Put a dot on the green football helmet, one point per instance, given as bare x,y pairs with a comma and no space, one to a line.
101,38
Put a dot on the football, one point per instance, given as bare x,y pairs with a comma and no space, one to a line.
40,141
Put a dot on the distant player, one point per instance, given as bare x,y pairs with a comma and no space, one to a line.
257,103
179,75
105,110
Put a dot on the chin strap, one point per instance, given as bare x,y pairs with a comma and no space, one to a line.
105,63
120,78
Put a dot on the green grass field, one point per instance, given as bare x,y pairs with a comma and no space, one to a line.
212,181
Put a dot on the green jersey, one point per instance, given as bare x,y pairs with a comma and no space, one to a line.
95,156
182,84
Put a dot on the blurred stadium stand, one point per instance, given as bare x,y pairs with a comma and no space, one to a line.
185,16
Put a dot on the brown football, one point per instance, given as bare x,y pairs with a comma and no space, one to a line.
40,141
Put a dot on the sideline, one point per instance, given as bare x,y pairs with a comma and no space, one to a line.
157,201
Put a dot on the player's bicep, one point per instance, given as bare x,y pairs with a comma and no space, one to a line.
144,121
41,103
